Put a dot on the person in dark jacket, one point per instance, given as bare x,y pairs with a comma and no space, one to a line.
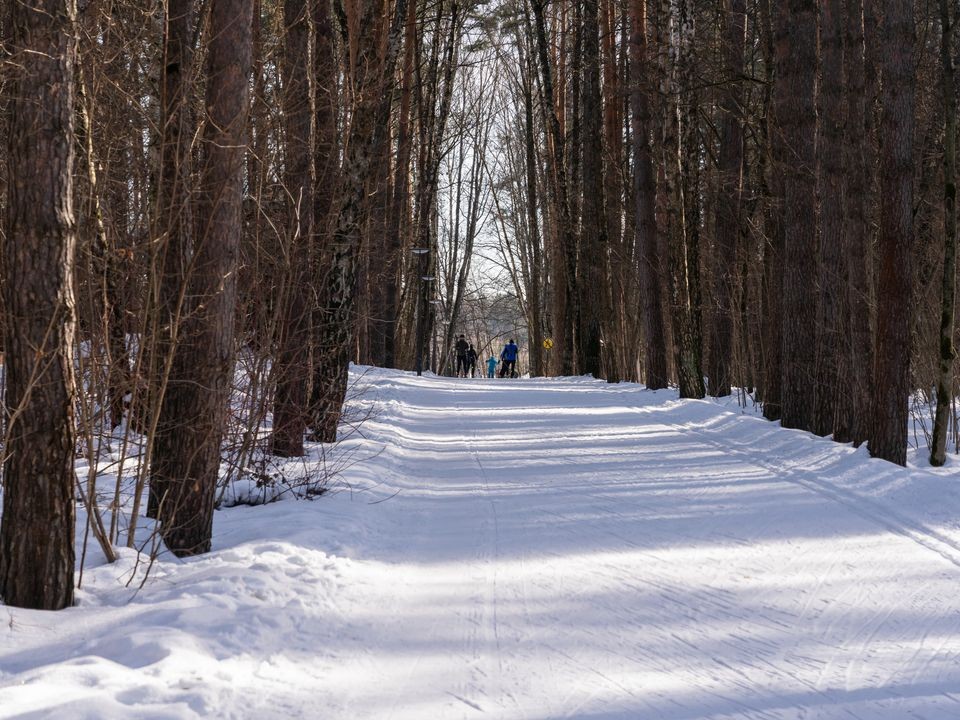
461,348
509,357
472,361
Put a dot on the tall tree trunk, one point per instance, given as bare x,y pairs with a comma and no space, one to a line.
594,287
174,215
644,192
894,311
37,527
832,327
370,114
856,229
682,217
795,29
401,193
728,200
948,291
291,368
772,322
558,174
326,163
195,407
616,326
534,300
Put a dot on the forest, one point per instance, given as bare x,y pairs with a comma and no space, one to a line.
210,208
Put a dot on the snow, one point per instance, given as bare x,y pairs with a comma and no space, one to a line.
533,549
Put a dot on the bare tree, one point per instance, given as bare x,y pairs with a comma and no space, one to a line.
644,189
894,311
832,333
37,528
292,367
728,207
194,410
949,289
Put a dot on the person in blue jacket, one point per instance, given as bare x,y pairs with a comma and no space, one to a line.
492,366
509,357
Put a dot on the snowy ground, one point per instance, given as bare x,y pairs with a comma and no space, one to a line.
532,550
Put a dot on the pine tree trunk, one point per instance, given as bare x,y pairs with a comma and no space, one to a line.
855,401
616,326
644,189
194,412
832,326
728,201
370,114
534,300
561,192
948,291
772,287
680,204
894,311
291,367
593,241
401,193
174,216
795,30
37,526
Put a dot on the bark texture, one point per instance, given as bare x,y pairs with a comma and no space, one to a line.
292,367
369,119
832,325
645,198
194,411
37,528
948,292
795,39
894,307
728,202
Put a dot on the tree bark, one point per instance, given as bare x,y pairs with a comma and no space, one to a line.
948,290
832,327
644,192
534,299
558,175
894,310
728,200
401,192
195,407
594,262
291,369
174,216
682,217
856,230
368,129
37,529
772,290
795,30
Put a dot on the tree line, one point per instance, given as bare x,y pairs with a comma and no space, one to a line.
201,195
742,193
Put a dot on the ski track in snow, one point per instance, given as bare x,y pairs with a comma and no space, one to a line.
531,550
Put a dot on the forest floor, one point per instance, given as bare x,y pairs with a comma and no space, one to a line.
534,549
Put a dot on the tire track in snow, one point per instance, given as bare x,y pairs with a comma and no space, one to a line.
489,555
877,513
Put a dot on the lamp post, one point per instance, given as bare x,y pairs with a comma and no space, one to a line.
421,254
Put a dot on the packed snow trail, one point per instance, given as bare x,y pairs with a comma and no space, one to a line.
536,549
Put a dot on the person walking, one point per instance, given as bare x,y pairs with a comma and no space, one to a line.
509,357
472,358
492,367
461,348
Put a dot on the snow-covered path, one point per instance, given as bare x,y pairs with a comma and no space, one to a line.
537,549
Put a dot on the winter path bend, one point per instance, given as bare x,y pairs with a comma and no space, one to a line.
542,549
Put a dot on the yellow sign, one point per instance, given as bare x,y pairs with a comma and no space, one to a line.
547,343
